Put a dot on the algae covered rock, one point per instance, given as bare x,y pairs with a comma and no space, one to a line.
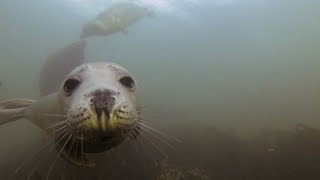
172,172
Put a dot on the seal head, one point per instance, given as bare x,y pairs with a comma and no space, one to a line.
99,100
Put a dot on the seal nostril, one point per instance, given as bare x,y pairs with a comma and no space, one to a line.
103,101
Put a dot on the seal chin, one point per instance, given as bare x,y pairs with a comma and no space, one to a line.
102,141
99,135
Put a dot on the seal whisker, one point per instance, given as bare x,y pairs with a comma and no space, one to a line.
33,156
59,139
159,138
41,148
142,119
155,145
76,144
134,142
144,148
76,149
54,115
56,131
137,136
64,145
56,124
72,144
33,170
82,154
159,132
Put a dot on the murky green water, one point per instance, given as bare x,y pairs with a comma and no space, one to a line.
242,64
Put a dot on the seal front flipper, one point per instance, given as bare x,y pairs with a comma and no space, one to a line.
59,64
13,110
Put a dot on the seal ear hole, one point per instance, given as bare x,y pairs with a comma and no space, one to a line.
128,82
70,85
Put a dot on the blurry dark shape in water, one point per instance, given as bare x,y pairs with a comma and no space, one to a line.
303,129
52,73
115,19
0,83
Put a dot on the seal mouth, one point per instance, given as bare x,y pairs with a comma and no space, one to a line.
100,141
101,136
104,123
101,121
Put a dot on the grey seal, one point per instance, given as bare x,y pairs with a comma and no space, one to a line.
93,109
116,18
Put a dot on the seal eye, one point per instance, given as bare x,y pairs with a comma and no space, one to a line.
127,82
70,85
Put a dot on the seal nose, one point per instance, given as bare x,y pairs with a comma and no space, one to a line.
103,100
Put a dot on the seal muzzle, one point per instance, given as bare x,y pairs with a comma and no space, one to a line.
103,101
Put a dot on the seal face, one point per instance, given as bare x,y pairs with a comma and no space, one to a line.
99,100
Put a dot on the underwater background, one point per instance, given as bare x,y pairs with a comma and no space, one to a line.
230,78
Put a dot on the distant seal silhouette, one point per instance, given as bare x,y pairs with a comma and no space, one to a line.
93,110
116,18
